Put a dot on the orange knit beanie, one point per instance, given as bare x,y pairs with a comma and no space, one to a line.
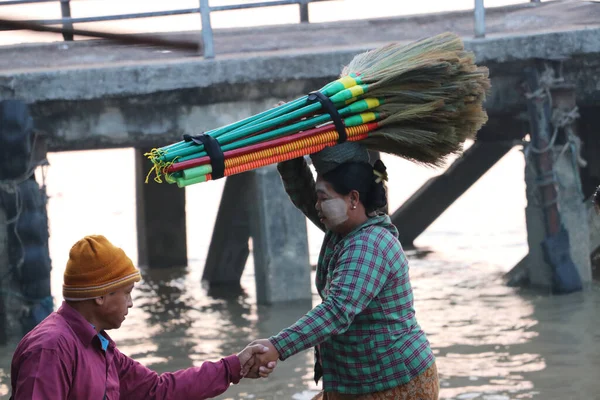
96,267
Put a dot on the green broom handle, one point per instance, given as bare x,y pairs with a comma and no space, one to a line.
353,120
340,98
329,90
172,151
353,108
309,123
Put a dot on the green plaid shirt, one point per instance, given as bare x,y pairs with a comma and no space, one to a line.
365,328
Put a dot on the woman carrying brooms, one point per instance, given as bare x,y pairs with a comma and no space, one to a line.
368,343
419,101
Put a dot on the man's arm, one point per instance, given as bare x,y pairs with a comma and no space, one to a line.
41,374
209,380
204,382
299,184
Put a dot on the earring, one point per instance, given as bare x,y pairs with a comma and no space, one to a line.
354,207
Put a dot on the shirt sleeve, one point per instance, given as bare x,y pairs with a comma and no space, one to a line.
204,382
299,184
42,374
360,274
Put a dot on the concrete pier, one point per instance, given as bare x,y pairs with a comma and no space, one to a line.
94,95
279,242
554,193
229,250
574,216
161,223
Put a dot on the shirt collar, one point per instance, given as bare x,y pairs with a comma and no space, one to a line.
376,220
82,328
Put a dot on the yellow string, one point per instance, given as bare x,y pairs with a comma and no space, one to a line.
154,156
165,169
150,173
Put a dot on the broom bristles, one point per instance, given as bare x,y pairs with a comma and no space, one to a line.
434,95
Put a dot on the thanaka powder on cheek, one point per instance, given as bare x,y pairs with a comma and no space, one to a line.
335,210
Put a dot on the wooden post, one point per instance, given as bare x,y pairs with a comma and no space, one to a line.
161,222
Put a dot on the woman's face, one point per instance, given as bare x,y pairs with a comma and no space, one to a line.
332,207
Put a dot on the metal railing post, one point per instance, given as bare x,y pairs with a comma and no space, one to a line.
207,33
303,11
479,19
65,10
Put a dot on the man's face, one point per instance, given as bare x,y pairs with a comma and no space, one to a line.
113,307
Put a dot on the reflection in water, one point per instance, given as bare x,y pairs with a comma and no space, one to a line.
491,341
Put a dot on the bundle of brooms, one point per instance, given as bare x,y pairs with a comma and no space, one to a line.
418,101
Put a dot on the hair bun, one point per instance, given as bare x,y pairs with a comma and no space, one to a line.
379,170
379,166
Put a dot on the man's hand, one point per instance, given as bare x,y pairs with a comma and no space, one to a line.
265,361
248,360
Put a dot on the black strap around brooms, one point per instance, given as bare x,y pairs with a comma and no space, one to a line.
213,149
332,111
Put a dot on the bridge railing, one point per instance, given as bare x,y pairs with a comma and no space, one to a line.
204,9
480,17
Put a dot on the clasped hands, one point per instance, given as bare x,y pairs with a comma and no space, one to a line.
258,359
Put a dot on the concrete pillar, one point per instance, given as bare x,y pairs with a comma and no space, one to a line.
161,225
574,217
279,240
228,251
554,194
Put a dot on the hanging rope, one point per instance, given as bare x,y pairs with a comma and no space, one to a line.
561,120
11,187
546,81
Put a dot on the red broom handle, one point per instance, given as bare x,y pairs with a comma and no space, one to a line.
260,146
282,157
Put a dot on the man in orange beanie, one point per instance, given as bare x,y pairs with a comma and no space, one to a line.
70,356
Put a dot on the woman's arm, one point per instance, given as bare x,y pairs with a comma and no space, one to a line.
299,184
360,274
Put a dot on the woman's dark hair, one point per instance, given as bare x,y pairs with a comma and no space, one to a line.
362,177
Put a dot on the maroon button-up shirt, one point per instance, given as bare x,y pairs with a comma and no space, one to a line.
62,358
